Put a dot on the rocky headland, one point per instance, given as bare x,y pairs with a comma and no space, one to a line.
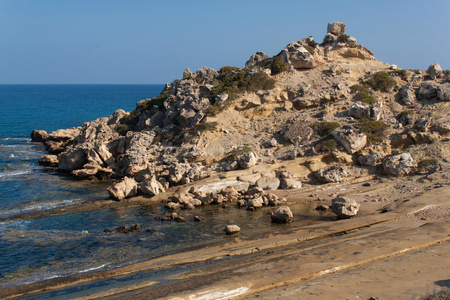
322,122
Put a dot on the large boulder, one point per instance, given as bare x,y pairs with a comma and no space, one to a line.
72,159
362,110
282,214
246,160
256,58
38,135
333,174
268,183
151,187
289,183
206,74
370,159
49,160
298,56
350,139
398,165
427,91
336,28
434,71
124,189
256,202
344,208
443,92
408,95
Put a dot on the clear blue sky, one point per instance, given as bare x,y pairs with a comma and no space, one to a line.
130,41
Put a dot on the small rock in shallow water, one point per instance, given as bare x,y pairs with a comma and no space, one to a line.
232,229
198,218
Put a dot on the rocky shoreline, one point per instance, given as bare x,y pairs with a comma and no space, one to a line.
324,123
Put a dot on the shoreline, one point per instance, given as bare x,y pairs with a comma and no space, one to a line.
235,247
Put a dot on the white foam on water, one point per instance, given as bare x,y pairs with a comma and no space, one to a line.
40,206
92,269
8,174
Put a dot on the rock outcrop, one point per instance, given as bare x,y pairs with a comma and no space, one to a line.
344,208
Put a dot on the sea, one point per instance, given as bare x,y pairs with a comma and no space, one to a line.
38,248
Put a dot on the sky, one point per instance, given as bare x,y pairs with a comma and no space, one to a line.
151,42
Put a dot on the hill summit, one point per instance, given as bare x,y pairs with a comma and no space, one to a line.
331,105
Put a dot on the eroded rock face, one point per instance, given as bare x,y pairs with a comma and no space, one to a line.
408,95
297,55
333,174
344,208
350,139
299,132
151,187
434,71
256,58
336,28
39,135
370,159
246,160
443,92
124,189
282,214
268,183
49,160
399,165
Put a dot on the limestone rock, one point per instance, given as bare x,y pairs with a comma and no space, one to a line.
362,110
282,214
333,174
39,135
256,58
434,71
398,165
49,160
427,91
72,159
256,202
336,28
289,183
123,189
344,208
443,92
350,139
151,187
232,229
268,183
370,159
246,160
187,73
250,178
206,74
186,201
298,56
407,95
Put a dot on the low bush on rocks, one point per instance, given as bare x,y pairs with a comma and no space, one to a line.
373,129
362,94
343,38
325,128
381,81
326,145
235,83
133,118
310,49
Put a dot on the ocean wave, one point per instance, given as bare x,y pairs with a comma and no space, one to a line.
41,206
15,173
15,139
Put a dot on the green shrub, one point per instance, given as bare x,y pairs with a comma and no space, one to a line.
365,97
224,71
310,49
236,83
325,128
358,88
406,112
427,162
362,94
212,110
373,129
278,65
133,118
381,81
401,73
326,145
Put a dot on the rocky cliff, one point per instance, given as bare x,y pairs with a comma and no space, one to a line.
332,102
